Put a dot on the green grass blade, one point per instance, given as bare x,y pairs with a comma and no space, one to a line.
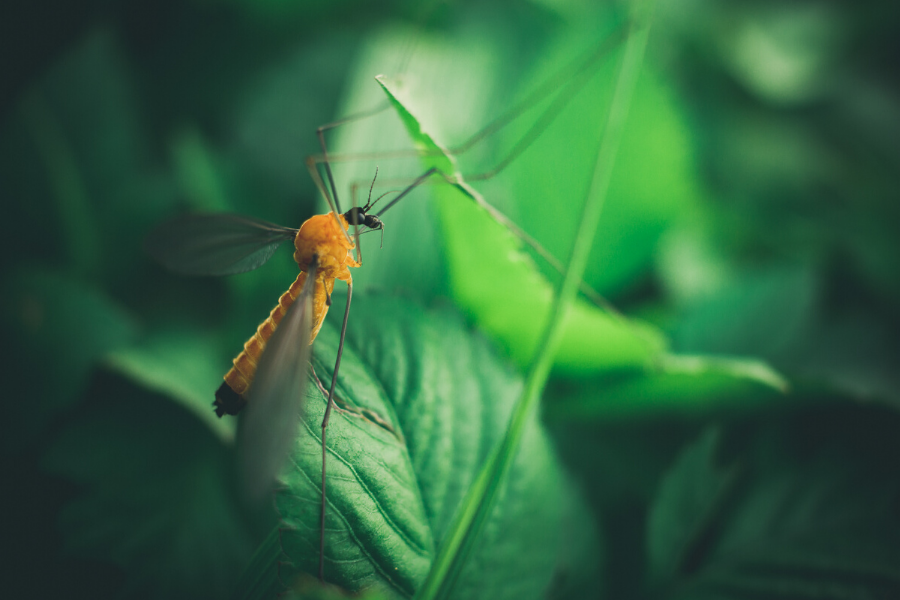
480,499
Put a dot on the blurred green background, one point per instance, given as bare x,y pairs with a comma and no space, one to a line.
734,434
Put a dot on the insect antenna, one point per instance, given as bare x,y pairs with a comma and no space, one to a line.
371,187
421,178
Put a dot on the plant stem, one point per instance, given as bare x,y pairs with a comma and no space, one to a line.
479,500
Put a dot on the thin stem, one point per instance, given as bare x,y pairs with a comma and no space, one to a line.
481,496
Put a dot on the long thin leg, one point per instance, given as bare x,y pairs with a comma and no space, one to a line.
501,218
320,133
568,76
328,407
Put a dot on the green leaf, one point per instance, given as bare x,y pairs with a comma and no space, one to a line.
763,313
88,163
184,365
492,278
676,385
429,400
802,508
60,327
156,497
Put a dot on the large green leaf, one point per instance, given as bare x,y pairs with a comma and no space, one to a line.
804,508
429,400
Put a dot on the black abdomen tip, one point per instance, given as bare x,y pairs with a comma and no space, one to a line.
228,402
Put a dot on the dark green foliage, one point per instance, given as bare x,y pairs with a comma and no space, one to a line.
733,435
181,539
802,507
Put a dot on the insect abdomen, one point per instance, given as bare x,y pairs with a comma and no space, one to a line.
230,397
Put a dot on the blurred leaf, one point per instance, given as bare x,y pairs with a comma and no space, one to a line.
157,497
690,265
199,176
494,280
856,354
653,185
429,400
805,507
746,369
273,126
184,365
77,157
763,313
678,384
59,327
411,256
618,465
783,53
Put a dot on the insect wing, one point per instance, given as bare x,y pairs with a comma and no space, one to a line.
215,244
270,422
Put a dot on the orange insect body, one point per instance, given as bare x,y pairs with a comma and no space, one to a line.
319,236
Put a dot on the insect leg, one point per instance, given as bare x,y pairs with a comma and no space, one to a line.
589,292
320,134
328,407
573,77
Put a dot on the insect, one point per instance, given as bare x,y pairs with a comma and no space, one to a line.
270,371
267,380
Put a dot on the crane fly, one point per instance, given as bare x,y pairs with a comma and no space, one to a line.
267,380
269,374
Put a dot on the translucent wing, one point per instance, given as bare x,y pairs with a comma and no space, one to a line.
270,422
215,244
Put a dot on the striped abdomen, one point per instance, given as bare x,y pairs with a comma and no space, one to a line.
230,396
